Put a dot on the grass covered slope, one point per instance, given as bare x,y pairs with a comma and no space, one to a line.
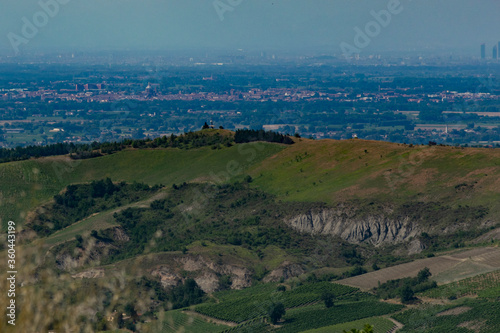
380,325
332,171
27,184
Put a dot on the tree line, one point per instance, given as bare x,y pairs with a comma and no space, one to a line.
188,140
245,135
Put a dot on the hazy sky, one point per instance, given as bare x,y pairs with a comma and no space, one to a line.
455,25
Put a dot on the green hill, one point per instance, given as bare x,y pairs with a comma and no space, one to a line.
332,171
326,170
27,184
233,216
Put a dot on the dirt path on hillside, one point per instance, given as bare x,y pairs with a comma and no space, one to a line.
210,319
397,324
434,301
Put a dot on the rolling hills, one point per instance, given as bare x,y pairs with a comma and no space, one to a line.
245,215
320,171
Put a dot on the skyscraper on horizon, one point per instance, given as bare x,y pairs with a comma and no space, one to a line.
483,51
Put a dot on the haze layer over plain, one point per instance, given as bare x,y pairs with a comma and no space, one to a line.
299,25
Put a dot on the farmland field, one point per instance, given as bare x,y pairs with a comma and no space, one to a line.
488,258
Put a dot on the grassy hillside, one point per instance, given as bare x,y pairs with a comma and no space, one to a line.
25,185
330,171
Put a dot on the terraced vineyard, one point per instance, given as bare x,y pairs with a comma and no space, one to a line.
254,325
476,315
305,312
250,303
178,321
380,325
485,285
299,320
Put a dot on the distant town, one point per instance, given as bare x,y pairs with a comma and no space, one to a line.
408,100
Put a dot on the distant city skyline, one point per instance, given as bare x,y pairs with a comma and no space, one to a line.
495,49
426,26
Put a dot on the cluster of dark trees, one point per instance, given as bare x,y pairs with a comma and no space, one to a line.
407,287
186,294
75,151
24,153
184,141
245,135
180,296
80,201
